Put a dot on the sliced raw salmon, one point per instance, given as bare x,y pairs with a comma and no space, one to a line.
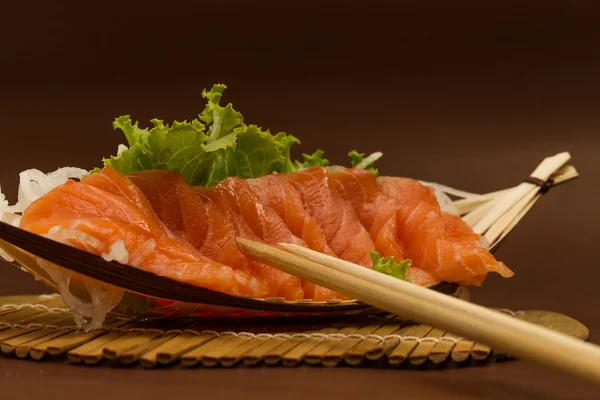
254,220
440,244
376,211
278,193
159,188
344,233
183,211
264,221
189,233
96,220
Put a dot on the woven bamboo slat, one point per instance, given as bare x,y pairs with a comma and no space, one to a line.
40,328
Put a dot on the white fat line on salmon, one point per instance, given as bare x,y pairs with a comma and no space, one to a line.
117,251
66,235
142,252
104,231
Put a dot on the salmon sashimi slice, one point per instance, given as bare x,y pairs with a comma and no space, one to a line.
184,212
159,188
206,227
249,221
278,193
264,221
375,210
436,242
189,233
113,182
162,256
80,201
158,200
344,233
88,222
405,221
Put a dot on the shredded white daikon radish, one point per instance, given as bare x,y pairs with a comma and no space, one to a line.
117,253
4,209
445,202
121,149
442,192
7,212
448,190
88,315
369,160
103,297
33,183
363,164
3,202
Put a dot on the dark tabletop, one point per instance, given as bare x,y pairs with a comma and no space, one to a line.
472,96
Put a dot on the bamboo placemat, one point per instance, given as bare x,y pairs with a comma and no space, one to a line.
40,327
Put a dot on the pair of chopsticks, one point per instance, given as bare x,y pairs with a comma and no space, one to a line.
511,335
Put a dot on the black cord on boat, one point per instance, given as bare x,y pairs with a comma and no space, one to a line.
544,185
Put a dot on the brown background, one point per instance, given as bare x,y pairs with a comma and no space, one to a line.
471,95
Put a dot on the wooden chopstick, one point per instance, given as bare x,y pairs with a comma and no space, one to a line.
507,334
543,172
503,225
467,205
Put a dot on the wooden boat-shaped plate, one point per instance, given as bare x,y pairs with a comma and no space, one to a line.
475,210
173,299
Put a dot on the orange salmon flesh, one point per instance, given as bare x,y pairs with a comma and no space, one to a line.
189,233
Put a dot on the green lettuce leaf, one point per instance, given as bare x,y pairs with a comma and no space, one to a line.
285,143
255,154
221,120
206,150
214,146
132,131
313,160
389,266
